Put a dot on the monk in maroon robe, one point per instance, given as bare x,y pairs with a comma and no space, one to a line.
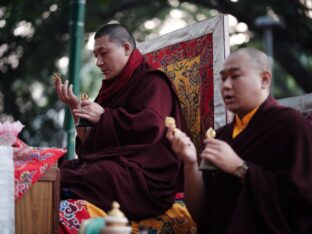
124,156
263,180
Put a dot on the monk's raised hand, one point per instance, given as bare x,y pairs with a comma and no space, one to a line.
65,94
182,145
221,155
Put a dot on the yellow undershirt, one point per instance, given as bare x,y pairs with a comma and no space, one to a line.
240,125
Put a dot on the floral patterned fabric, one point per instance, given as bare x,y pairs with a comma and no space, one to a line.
30,163
175,220
72,214
190,65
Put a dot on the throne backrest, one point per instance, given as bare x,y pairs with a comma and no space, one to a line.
192,58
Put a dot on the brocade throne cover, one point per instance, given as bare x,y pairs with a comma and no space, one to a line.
192,57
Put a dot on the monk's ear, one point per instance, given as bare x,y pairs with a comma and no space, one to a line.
128,48
266,79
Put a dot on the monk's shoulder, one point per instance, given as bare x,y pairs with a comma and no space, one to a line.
155,78
291,118
156,75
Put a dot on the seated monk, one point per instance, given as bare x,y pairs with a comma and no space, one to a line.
124,156
262,176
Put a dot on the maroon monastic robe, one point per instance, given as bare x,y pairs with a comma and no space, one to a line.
276,196
127,157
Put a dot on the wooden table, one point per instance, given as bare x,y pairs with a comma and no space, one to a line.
37,212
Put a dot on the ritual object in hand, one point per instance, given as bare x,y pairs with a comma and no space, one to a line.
84,96
211,133
170,122
57,78
205,164
81,121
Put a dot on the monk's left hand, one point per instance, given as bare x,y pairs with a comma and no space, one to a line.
89,110
221,155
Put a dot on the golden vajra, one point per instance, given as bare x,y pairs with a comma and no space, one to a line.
57,77
84,96
81,121
170,122
211,133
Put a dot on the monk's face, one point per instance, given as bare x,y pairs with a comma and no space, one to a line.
241,85
111,57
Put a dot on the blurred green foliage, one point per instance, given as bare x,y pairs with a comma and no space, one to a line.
34,36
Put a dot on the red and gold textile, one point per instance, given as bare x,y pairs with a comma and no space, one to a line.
30,163
189,64
192,57
175,220
74,212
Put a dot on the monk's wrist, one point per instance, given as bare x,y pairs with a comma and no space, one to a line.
190,165
242,170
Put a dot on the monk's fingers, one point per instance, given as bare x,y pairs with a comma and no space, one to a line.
213,141
176,144
85,103
169,134
61,91
57,79
216,148
210,154
57,82
92,116
70,93
58,89
82,113
179,137
92,107
181,143
174,133
65,90
225,159
178,133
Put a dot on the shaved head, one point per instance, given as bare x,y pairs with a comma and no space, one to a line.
117,33
246,79
257,58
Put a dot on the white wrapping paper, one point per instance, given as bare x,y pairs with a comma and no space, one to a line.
7,218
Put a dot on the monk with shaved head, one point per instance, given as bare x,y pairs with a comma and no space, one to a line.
124,155
263,159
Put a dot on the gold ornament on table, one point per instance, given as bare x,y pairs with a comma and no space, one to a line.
116,222
81,121
205,164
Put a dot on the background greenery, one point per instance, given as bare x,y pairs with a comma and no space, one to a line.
34,39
